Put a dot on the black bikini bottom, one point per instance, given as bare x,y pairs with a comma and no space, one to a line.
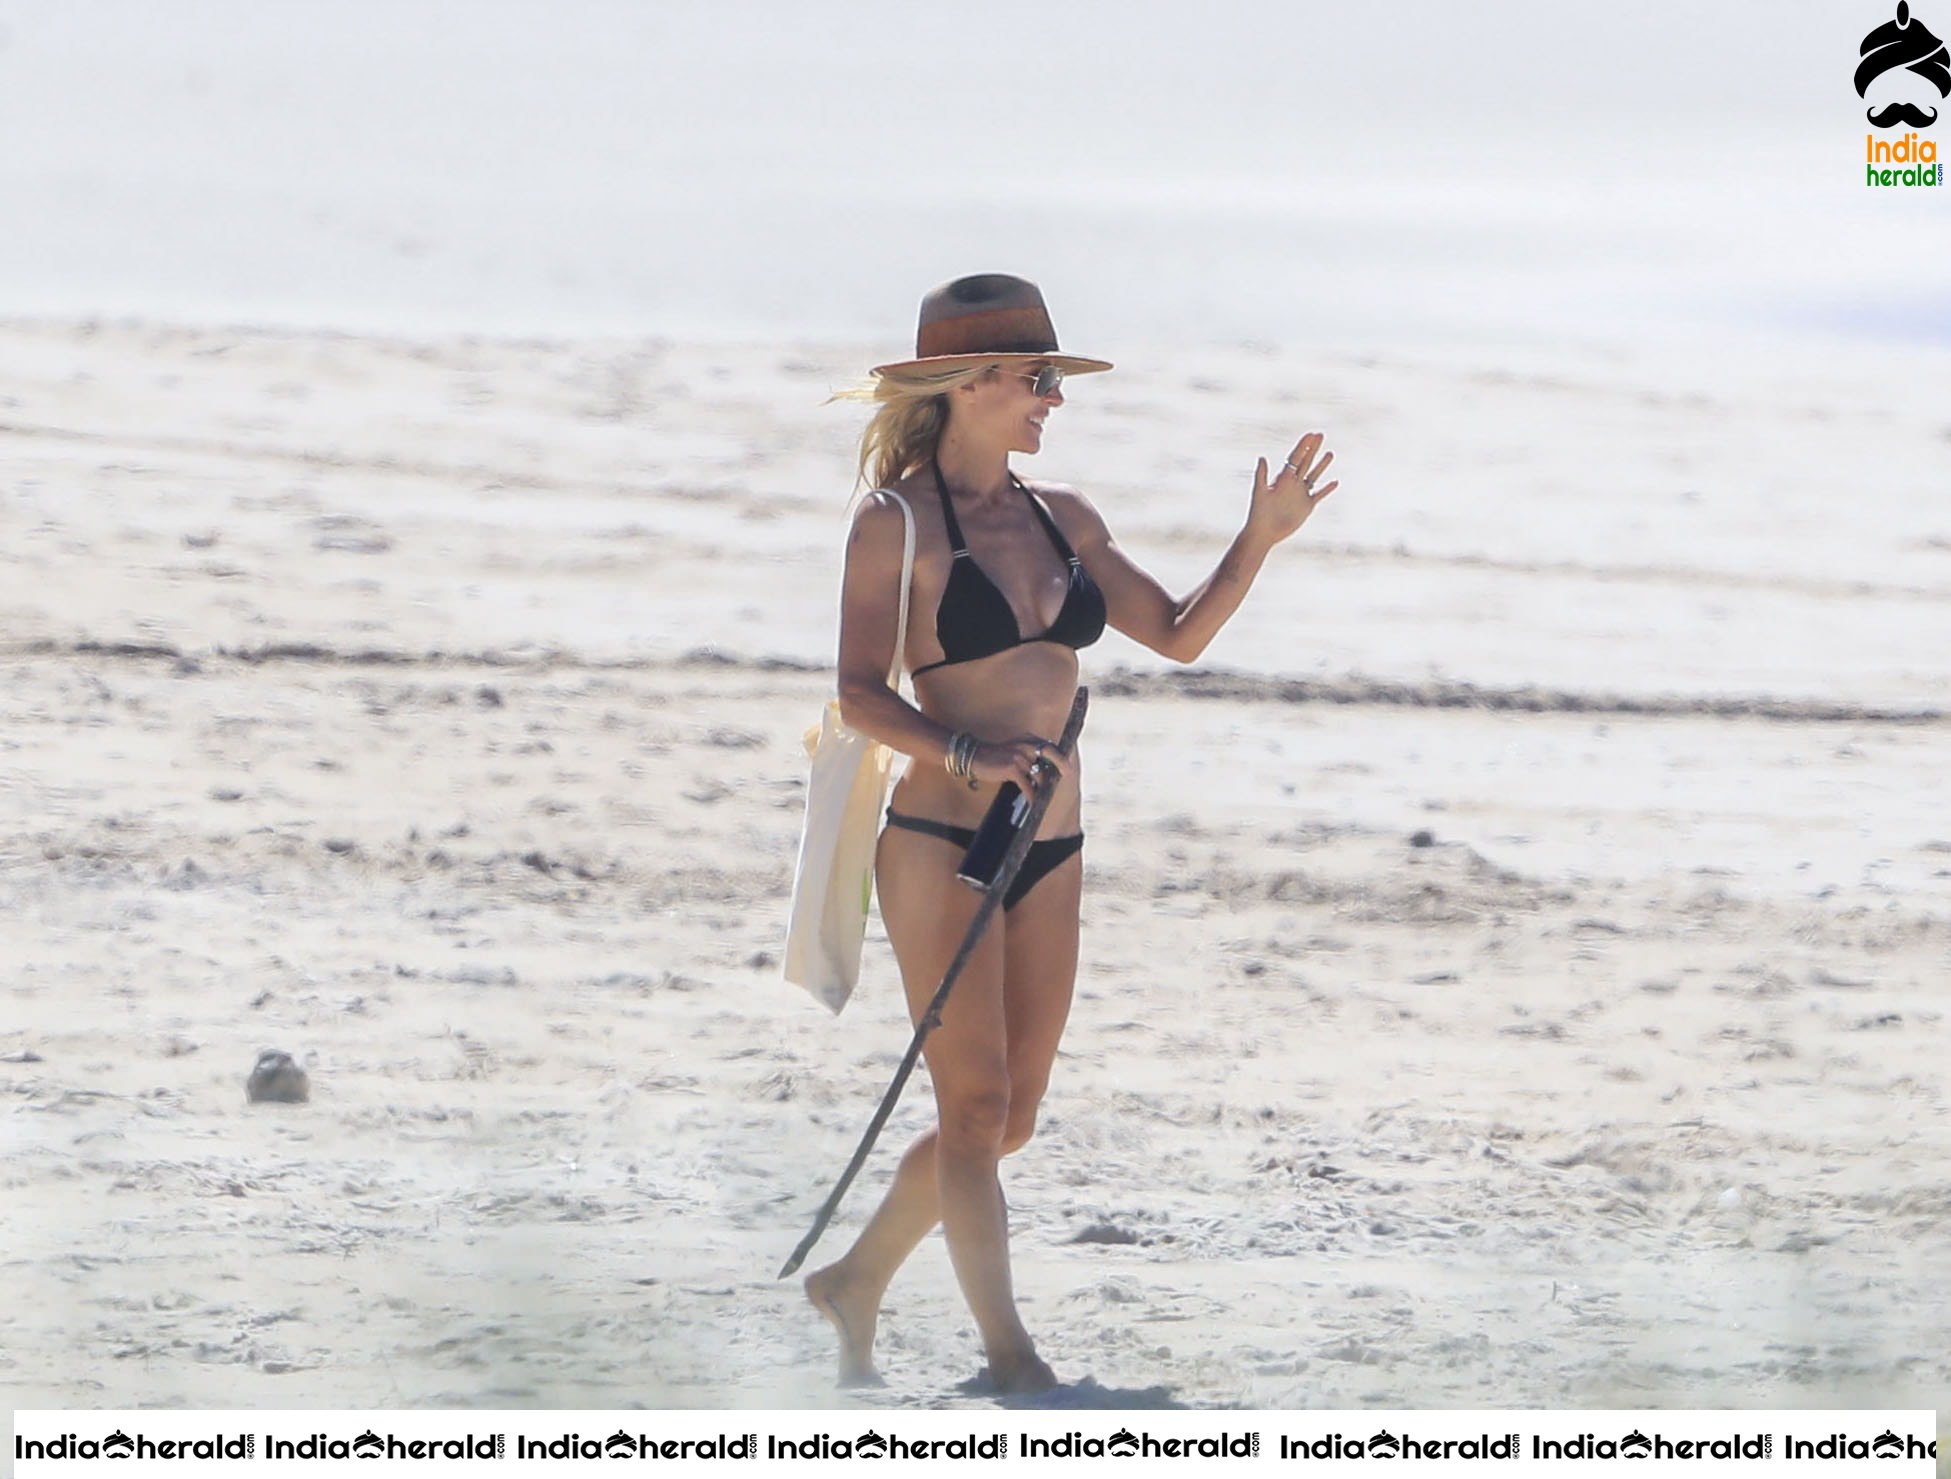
1044,856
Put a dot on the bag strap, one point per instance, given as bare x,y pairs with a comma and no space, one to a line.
907,579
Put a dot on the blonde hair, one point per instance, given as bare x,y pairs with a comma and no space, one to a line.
913,411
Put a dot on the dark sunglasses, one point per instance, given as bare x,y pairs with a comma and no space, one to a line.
1045,381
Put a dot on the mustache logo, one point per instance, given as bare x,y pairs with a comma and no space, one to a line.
1905,43
1909,113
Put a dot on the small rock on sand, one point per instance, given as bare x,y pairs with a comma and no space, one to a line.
277,1079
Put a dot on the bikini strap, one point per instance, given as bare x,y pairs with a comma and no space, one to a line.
956,542
1049,523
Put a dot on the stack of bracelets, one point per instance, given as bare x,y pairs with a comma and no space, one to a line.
960,759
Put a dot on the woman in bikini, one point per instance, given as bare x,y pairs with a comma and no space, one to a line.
1010,579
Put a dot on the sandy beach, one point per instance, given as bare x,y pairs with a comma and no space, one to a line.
1514,961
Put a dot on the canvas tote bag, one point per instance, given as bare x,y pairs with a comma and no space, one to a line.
833,882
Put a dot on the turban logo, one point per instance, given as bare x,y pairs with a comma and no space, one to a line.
1906,43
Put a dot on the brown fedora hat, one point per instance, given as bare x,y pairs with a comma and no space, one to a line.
978,320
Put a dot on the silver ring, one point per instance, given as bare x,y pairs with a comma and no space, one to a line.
1295,470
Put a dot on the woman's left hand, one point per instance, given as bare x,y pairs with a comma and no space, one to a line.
1282,506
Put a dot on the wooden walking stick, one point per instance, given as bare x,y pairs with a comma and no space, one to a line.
1012,863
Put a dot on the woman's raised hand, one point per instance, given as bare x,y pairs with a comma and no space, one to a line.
1022,760
1282,506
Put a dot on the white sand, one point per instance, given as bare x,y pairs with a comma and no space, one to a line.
357,702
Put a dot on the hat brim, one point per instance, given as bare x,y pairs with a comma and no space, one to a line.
1070,364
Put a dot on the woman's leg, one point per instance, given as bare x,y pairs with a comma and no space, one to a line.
990,1061
927,913
1039,974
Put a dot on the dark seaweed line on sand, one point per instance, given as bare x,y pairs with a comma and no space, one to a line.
1243,688
1530,699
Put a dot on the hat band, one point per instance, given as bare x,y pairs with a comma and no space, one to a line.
990,331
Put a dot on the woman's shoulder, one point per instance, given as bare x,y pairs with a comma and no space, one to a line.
1075,514
914,490
1053,494
881,508
879,525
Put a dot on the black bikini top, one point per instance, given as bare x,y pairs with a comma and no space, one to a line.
975,618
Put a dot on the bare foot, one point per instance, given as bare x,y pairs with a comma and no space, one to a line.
854,1318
